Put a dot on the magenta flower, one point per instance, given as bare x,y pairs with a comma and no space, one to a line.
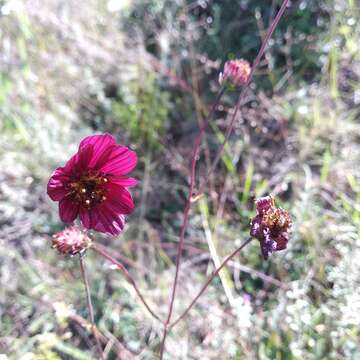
93,184
70,241
236,72
271,226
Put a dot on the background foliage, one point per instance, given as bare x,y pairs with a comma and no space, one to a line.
147,71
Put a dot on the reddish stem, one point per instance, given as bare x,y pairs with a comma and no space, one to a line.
243,92
208,282
194,159
196,148
101,251
90,307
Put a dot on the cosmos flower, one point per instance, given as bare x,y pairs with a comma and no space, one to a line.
70,241
236,72
93,185
271,226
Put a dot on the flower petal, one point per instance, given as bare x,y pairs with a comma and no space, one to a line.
119,200
56,187
124,181
79,162
268,244
68,210
108,221
85,217
100,144
281,241
85,156
255,227
120,161
264,204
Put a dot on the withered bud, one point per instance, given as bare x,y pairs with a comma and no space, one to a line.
271,226
71,241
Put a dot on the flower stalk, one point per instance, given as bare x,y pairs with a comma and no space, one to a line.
101,251
208,282
187,209
243,93
89,305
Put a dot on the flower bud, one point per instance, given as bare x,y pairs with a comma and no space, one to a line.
236,72
71,241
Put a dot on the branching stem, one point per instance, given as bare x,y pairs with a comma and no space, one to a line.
194,159
243,93
195,154
208,282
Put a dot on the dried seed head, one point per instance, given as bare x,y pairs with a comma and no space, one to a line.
271,226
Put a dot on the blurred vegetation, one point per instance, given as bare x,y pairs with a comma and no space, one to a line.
147,72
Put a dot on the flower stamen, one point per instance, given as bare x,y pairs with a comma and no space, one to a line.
88,190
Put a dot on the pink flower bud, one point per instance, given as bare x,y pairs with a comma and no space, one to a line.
237,72
70,241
